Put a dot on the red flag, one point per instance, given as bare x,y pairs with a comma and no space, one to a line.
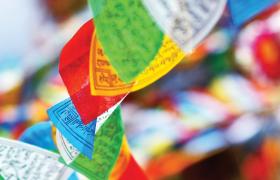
74,70
133,171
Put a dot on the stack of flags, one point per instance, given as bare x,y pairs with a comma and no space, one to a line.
128,45
123,49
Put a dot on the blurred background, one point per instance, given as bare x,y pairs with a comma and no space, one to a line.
216,116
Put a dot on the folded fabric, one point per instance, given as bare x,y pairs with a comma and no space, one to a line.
66,118
74,70
104,80
128,35
187,22
108,141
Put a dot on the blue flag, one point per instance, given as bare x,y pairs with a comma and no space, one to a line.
67,120
40,135
244,10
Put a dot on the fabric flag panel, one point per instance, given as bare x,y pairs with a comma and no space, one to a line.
128,35
242,11
74,70
107,143
105,81
187,22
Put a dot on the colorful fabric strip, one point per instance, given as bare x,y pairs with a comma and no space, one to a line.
69,123
108,141
187,22
128,35
74,70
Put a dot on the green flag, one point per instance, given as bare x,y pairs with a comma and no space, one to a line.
129,36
